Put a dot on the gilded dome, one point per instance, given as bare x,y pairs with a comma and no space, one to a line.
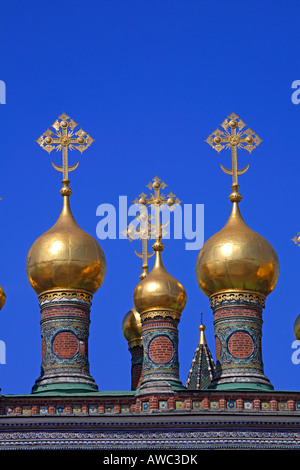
159,290
297,328
132,326
65,257
237,258
2,298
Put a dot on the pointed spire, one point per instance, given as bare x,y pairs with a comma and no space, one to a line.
202,339
202,368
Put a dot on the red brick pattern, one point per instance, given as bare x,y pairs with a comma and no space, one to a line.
188,404
137,353
240,345
240,404
136,376
35,410
195,401
205,404
153,403
291,405
241,312
49,312
273,405
222,404
65,344
256,404
157,324
161,349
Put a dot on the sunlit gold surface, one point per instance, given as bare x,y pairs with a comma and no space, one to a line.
237,258
159,290
297,328
65,257
132,326
202,339
2,298
296,239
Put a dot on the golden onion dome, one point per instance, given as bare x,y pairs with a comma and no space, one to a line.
237,258
159,290
2,298
297,328
132,326
65,257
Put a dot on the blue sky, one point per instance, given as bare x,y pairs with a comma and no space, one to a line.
149,80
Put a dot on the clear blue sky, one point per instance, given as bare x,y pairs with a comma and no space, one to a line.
149,80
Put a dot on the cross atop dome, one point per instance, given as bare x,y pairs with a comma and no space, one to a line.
237,138
158,200
65,138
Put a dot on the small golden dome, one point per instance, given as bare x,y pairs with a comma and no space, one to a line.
65,257
237,258
2,298
297,328
132,326
159,290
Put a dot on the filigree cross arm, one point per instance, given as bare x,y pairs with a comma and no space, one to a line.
64,138
296,239
140,229
159,201
233,136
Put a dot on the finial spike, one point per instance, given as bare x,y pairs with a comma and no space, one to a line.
202,339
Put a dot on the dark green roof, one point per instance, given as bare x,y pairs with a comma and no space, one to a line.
202,369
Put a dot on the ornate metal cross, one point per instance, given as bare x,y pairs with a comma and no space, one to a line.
159,201
246,139
142,228
64,139
296,239
141,231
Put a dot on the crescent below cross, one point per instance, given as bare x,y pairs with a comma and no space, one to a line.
64,139
233,136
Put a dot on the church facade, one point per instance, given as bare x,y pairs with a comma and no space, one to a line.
226,402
